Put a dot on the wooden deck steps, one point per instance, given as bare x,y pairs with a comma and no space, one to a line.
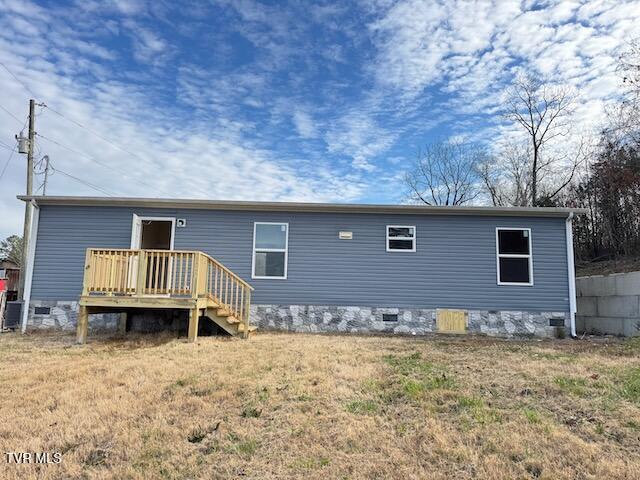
118,280
227,322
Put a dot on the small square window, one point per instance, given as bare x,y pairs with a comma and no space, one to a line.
401,238
389,317
42,310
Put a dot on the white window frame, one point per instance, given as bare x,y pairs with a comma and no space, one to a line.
514,255
398,250
285,250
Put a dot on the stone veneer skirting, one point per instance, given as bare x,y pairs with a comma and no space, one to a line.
352,319
312,318
64,315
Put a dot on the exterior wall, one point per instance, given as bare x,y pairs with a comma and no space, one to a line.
609,304
352,319
454,265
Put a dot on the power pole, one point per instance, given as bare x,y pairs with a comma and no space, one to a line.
26,234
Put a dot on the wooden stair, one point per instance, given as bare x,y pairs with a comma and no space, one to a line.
117,280
230,324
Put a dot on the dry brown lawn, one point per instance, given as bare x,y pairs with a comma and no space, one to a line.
312,406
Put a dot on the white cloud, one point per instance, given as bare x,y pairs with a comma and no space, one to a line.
471,50
173,153
304,124
359,137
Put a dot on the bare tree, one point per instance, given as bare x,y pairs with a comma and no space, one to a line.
446,173
624,116
543,112
507,177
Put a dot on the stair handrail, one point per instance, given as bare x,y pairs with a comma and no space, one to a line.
230,272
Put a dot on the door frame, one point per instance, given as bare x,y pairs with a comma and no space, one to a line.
136,233
136,241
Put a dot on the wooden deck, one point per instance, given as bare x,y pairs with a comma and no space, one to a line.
117,280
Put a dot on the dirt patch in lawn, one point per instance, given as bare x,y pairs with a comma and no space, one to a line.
314,406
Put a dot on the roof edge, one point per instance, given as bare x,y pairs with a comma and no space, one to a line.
300,206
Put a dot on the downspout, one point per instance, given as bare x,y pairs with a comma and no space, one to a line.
571,271
31,253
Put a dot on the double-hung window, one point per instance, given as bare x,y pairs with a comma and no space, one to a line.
270,245
514,257
401,238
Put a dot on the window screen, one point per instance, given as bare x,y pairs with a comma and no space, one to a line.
514,256
270,243
401,238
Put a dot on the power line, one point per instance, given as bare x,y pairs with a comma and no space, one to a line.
84,182
26,87
93,159
78,152
103,138
95,133
6,164
17,119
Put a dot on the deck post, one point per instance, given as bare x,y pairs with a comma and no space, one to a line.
87,273
194,315
122,323
247,314
83,324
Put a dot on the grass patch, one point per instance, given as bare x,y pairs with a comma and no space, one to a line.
311,463
532,416
245,448
361,407
631,385
250,411
476,409
572,385
197,435
412,377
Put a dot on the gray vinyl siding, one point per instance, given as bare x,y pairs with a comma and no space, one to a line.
454,265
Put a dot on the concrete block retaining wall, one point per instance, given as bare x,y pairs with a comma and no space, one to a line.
609,304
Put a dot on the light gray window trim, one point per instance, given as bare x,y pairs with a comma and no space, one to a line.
285,250
514,255
399,250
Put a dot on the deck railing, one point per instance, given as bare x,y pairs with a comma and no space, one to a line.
168,273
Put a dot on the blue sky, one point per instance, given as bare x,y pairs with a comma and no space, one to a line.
306,101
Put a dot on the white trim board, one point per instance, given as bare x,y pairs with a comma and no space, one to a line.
31,254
